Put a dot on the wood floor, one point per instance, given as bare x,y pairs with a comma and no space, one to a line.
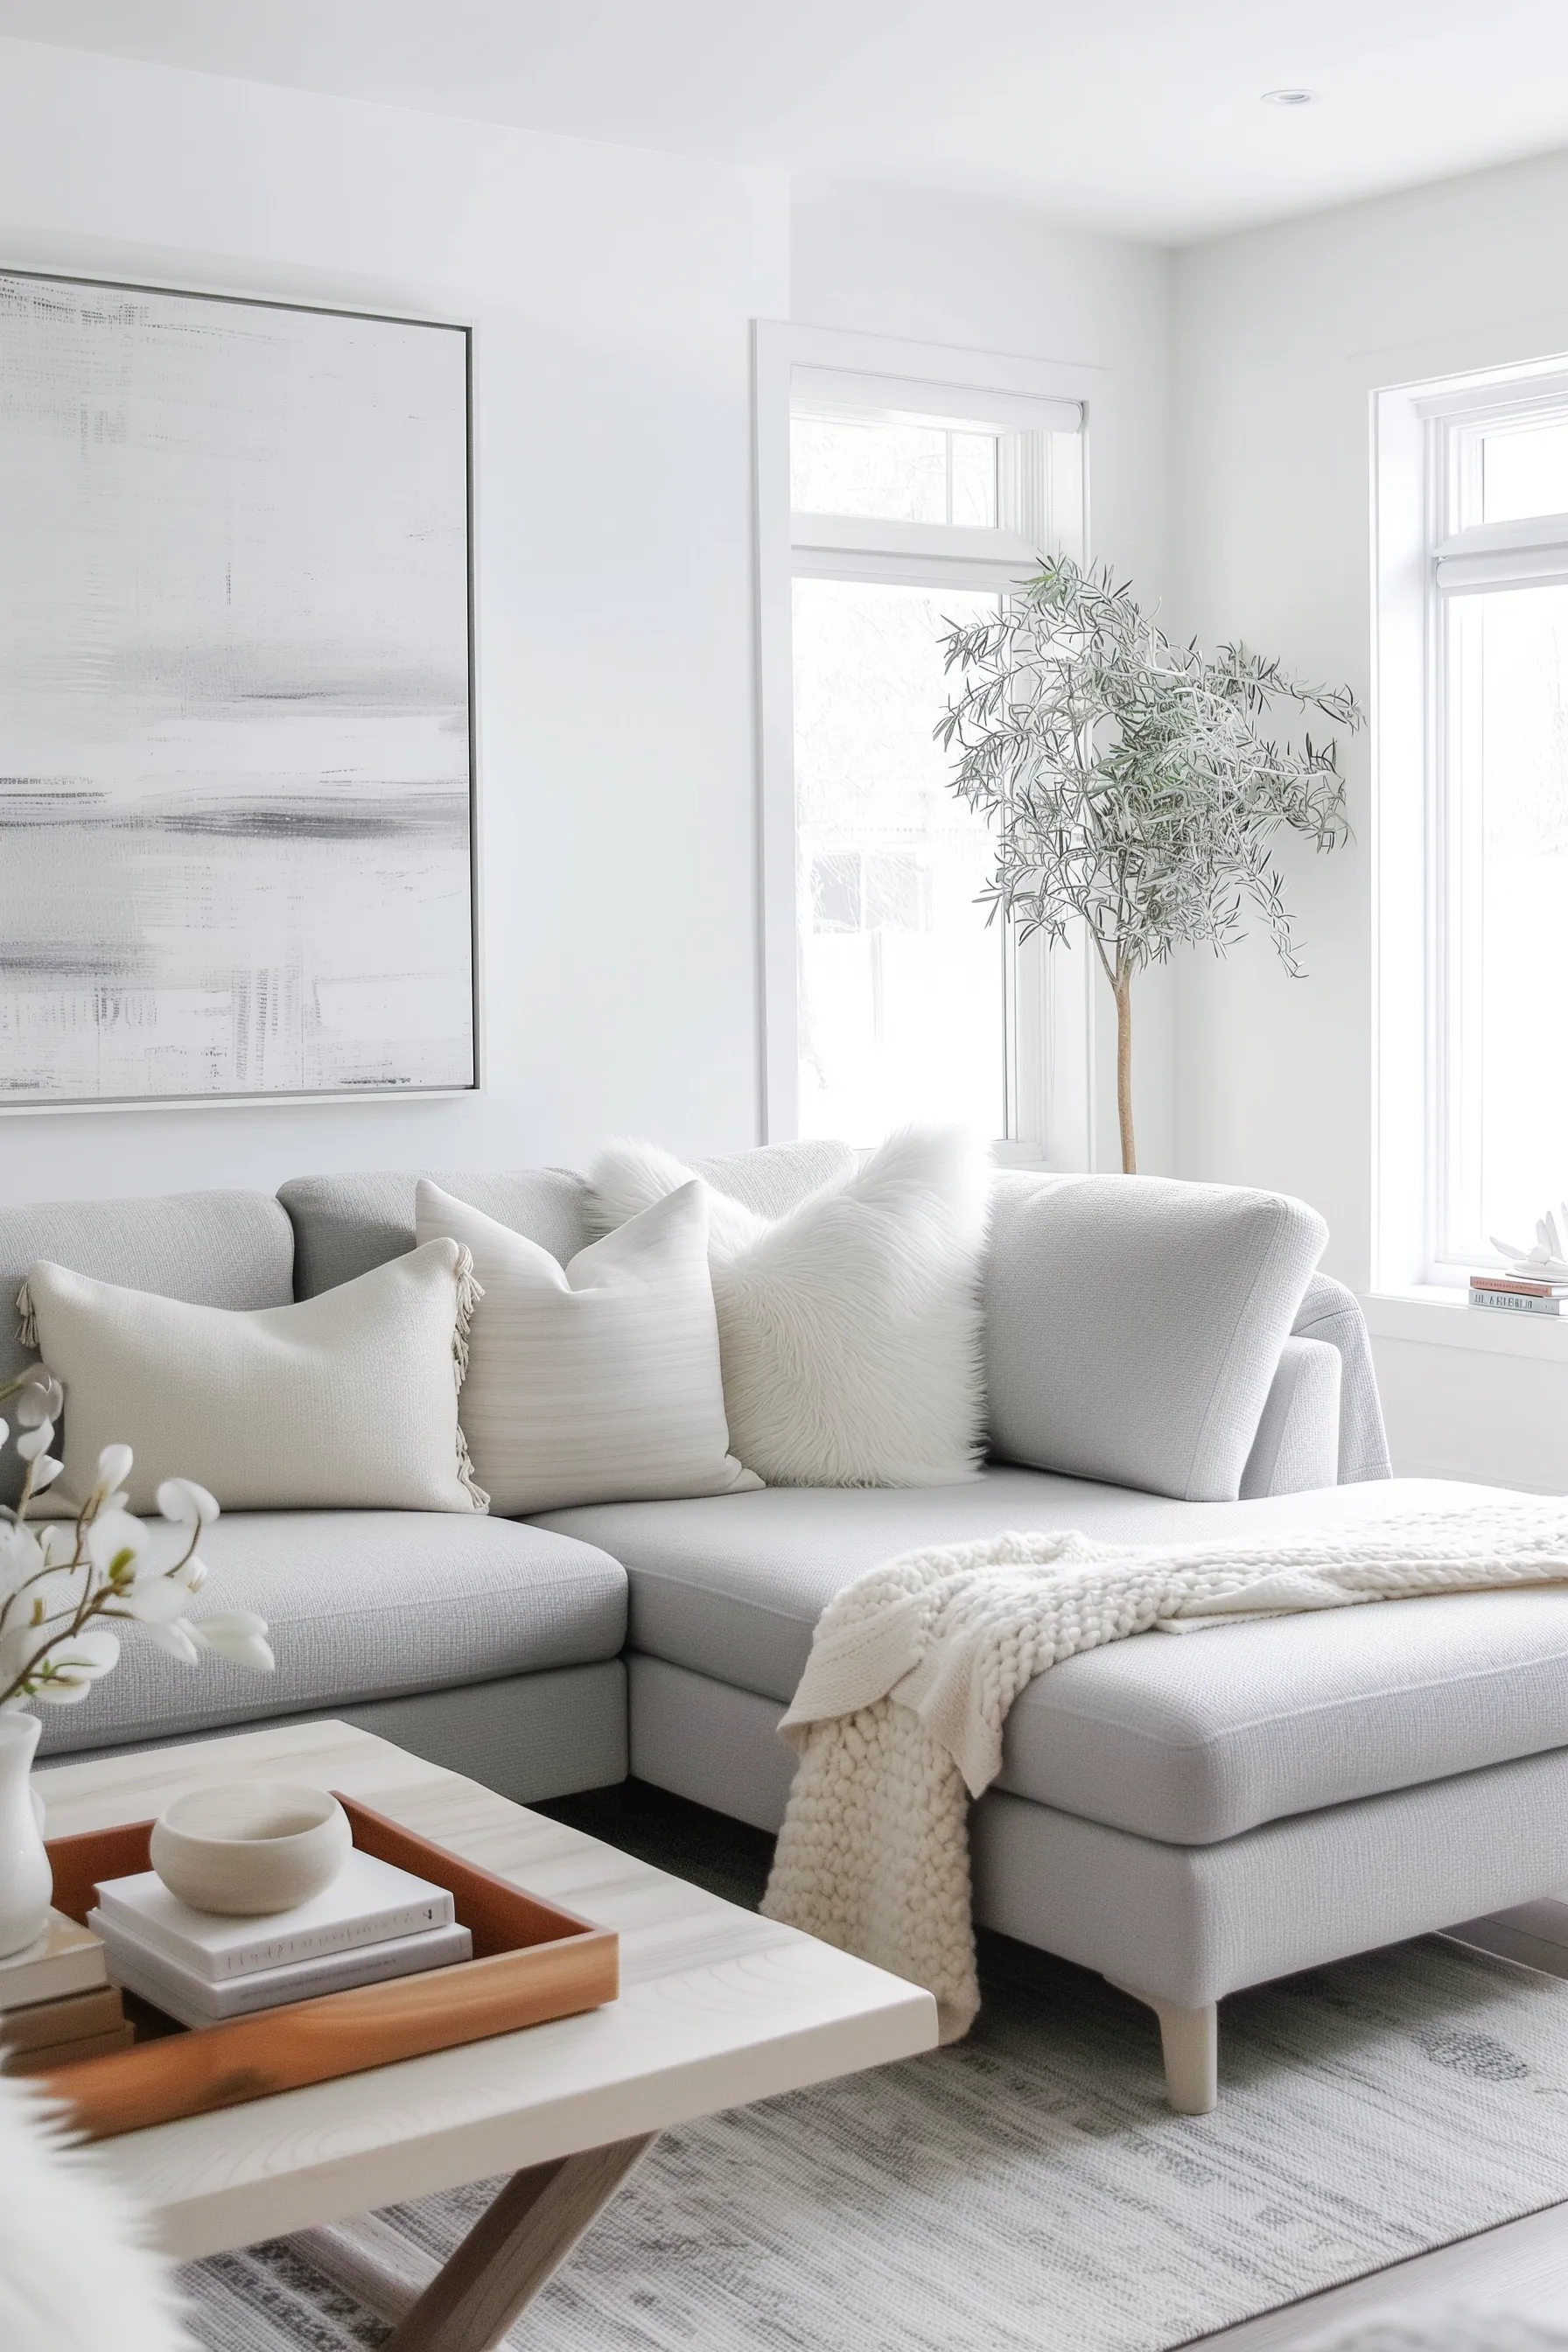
1521,2264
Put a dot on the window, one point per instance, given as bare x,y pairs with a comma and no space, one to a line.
1473,785
909,504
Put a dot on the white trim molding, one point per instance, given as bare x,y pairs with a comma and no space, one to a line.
1047,408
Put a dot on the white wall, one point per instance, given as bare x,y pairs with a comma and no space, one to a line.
1280,337
951,270
612,293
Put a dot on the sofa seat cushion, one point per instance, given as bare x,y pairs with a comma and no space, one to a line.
363,1605
1189,1738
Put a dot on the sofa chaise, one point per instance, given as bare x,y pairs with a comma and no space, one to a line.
1187,1816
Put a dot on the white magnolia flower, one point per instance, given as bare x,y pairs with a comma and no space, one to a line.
175,1636
41,1399
158,1600
45,1470
75,1666
34,1442
188,1505
113,1469
21,1556
239,1635
113,1536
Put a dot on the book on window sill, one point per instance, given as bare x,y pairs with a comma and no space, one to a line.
65,1958
1513,1302
369,1902
182,1994
1518,1286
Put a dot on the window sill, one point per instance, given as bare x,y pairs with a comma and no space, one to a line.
1439,1318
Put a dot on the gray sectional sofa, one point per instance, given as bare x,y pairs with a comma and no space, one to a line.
1187,1816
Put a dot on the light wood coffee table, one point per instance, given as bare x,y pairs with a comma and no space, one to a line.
718,2008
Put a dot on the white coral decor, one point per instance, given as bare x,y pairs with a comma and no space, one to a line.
61,1584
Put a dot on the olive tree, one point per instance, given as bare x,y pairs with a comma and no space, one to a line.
1128,782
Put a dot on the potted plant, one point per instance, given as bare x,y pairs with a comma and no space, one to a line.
63,1583
1128,780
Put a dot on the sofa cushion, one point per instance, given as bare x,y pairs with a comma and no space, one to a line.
361,1604
213,1249
349,1401
343,1225
1133,1325
1189,1738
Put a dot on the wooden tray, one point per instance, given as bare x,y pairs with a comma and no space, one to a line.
532,1962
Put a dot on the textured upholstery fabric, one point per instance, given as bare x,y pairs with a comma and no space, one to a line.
708,1741
349,1401
1330,1313
773,1179
1193,1923
362,1605
217,1249
343,1225
530,1736
733,1584
527,1737
599,1379
1133,1325
1188,1739
1195,1738
1297,1443
1188,1923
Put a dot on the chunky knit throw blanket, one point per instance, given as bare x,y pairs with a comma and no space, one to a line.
898,1717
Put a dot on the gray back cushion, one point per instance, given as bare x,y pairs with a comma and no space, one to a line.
1133,1325
345,1224
215,1249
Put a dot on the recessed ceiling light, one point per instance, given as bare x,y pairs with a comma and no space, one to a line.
1289,97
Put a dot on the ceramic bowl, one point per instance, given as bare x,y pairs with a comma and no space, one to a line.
250,1847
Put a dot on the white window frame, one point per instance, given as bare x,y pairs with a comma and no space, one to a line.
1051,1003
1426,551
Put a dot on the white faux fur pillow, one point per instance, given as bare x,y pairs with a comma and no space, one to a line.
848,1330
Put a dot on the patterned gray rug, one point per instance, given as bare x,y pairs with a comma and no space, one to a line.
1028,2191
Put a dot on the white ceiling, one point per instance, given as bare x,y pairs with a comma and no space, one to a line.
1138,116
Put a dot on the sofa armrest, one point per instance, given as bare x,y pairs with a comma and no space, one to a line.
1297,1443
1331,1313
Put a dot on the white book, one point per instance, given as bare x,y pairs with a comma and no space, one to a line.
65,1958
368,1903
1516,1302
188,1996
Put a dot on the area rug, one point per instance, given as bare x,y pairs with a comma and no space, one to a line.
1028,2191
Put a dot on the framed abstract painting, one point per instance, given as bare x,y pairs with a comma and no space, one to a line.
237,743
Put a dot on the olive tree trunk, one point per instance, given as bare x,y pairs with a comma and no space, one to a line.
1121,982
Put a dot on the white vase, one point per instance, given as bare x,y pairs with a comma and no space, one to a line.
26,1881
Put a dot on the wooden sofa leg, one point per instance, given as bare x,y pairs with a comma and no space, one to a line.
1189,2042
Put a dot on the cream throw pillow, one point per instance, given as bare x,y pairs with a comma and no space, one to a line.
347,1401
850,1329
599,1381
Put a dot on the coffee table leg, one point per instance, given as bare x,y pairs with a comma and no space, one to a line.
515,2247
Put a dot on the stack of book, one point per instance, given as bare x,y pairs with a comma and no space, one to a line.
56,2004
373,1922
1518,1294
